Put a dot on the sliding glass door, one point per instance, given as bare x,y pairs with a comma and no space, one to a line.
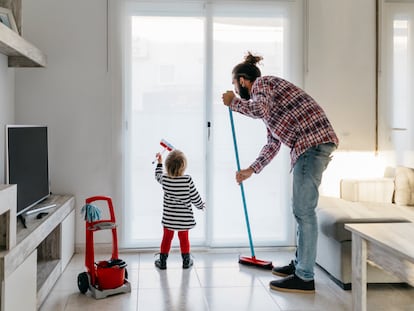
178,62
263,30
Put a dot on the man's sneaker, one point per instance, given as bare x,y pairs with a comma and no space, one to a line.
285,270
294,284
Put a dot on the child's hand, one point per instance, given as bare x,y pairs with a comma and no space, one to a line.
159,157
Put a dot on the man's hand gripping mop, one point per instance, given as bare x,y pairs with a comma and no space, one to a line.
250,261
165,146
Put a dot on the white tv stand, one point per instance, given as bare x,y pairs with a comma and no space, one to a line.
33,258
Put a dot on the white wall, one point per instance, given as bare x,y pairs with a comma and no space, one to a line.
6,107
72,96
340,67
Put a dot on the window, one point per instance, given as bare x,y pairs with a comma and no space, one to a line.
179,58
397,78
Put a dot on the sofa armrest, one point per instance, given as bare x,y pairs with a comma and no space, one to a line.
380,190
334,213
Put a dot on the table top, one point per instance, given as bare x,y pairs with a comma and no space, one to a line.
398,237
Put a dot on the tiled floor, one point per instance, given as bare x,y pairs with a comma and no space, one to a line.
216,282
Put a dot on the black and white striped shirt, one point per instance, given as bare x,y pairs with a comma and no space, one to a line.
179,194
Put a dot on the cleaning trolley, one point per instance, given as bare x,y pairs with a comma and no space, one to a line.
106,277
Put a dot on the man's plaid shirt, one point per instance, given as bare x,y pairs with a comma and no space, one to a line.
291,116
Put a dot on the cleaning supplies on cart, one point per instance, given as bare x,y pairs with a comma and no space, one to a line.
105,277
110,273
91,212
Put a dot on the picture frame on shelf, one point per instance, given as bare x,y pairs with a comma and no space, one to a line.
7,18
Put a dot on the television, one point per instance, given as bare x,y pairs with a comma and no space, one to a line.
27,164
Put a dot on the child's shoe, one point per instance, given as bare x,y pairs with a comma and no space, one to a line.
187,261
161,262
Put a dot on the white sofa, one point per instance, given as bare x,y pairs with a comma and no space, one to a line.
381,200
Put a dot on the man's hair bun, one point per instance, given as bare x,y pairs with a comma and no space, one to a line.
252,59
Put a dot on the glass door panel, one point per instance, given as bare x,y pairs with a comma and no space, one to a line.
267,193
166,90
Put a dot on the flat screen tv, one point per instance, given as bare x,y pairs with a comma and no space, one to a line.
27,164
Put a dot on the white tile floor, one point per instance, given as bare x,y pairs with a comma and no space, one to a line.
216,282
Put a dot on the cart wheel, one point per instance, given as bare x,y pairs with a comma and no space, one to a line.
83,282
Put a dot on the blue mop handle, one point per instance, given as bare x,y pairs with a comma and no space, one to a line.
246,215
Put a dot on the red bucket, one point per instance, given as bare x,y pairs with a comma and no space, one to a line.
109,277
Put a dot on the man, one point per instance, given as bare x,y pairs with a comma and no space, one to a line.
293,118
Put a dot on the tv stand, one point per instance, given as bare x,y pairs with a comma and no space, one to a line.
33,258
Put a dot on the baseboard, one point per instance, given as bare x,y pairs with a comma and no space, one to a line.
348,286
344,286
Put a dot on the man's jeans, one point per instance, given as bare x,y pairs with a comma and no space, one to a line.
307,175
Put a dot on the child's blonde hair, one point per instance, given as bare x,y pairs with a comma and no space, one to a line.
175,163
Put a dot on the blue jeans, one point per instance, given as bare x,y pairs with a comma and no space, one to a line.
307,176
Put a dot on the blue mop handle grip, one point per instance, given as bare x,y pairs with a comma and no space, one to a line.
246,215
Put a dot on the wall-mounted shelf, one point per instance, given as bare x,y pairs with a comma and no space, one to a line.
20,52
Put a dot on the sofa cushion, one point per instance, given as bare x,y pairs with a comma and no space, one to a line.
333,213
404,186
368,190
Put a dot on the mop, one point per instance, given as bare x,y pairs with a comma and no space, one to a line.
250,261
165,146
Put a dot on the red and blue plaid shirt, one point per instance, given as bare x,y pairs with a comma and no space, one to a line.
291,116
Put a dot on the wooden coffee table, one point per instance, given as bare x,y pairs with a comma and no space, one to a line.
389,246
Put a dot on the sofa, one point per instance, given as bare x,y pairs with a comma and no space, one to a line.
380,200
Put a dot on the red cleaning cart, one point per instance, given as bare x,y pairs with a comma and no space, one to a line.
107,277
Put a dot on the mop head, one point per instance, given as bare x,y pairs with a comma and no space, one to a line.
252,261
92,213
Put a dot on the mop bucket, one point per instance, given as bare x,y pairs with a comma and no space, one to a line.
110,275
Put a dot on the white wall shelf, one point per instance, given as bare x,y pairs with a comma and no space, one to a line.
20,52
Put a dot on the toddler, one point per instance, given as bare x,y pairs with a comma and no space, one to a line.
179,194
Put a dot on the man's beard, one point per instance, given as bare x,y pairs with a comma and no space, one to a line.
244,93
